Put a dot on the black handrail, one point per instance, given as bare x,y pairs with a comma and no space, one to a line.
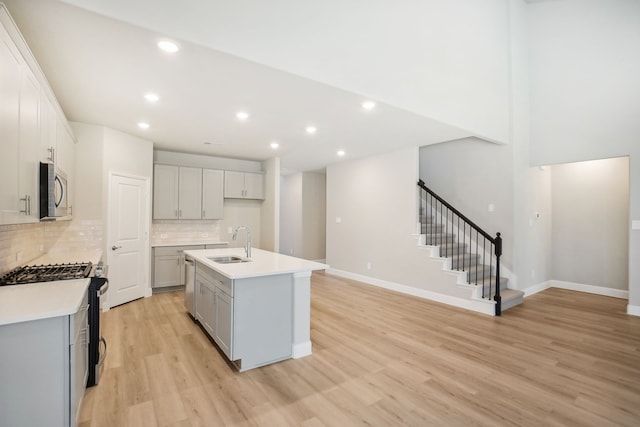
441,229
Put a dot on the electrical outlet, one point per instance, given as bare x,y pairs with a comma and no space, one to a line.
492,207
369,266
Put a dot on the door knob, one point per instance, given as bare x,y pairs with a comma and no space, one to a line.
114,247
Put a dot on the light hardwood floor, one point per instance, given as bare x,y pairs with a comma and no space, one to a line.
380,358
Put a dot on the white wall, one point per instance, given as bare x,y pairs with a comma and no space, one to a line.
303,221
590,239
374,200
586,93
291,214
531,185
471,174
314,196
270,209
88,182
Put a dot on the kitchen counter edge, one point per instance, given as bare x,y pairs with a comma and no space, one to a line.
36,301
263,263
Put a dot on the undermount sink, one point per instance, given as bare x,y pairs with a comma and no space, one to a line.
228,259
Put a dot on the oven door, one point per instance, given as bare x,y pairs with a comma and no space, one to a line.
97,344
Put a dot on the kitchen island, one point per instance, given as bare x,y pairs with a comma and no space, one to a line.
256,310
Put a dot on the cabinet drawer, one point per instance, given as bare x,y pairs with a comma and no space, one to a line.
175,250
215,279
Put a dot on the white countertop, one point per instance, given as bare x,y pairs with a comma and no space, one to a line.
185,242
263,263
34,301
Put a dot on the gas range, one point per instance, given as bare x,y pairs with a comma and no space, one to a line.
46,273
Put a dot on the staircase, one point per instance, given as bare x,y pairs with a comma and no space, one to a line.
468,250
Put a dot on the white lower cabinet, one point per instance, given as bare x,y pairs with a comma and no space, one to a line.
168,265
250,319
205,302
43,370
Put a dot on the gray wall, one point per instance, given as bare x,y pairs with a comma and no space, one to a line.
586,93
303,215
590,222
471,174
314,196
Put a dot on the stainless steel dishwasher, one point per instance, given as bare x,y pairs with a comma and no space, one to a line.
189,286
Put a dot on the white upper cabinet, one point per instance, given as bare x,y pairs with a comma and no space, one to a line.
190,193
29,142
212,194
165,192
30,128
48,132
243,185
19,99
181,192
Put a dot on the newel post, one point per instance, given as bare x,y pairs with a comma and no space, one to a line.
498,252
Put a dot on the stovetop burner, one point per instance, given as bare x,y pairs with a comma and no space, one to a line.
46,273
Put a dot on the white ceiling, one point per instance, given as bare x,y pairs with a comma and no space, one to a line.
100,67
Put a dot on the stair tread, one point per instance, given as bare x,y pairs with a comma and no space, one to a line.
509,294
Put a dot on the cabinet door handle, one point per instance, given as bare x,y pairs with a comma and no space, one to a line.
25,199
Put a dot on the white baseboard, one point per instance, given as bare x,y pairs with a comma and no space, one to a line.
598,290
485,307
633,310
532,290
301,350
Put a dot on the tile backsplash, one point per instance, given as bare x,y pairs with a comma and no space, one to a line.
22,243
185,230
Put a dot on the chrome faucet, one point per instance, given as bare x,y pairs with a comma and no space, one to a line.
247,248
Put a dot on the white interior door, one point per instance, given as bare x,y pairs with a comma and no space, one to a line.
128,246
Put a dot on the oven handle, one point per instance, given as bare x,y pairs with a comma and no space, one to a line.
102,355
102,291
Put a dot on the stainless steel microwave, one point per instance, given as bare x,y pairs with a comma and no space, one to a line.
53,192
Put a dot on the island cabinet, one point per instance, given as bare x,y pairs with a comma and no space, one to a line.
250,319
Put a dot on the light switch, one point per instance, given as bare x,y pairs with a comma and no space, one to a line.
635,225
491,207
338,220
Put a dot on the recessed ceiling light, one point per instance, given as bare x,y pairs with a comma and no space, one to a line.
168,46
143,125
151,97
340,153
274,145
368,105
311,129
242,115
